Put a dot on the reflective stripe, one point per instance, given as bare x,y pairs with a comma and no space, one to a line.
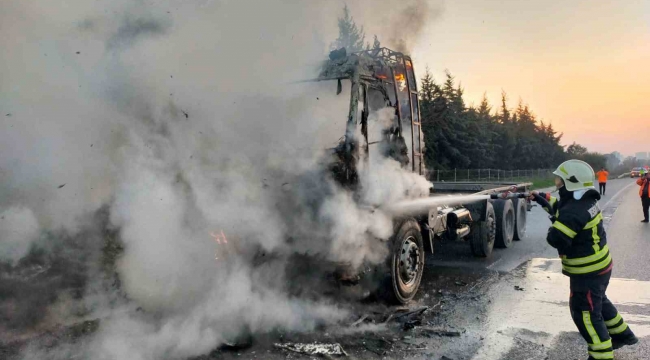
588,269
562,169
602,355
618,329
594,222
594,235
602,346
586,260
565,229
586,319
614,321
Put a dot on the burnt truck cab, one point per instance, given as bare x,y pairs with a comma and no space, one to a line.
380,79
383,86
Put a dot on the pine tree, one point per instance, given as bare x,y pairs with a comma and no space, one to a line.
351,37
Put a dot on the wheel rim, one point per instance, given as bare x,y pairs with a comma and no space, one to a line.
409,261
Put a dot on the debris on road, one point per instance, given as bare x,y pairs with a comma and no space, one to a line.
519,288
407,314
430,331
313,349
361,319
187,116
61,186
460,283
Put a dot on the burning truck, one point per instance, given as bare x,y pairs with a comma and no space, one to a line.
383,86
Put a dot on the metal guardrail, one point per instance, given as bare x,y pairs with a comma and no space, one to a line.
488,175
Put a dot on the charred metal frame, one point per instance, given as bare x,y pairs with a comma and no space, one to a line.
362,69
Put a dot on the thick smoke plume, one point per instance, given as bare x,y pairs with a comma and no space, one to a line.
398,24
160,171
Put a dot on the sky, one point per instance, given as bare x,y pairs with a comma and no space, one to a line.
583,66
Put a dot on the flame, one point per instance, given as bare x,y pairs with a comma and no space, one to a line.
400,79
219,238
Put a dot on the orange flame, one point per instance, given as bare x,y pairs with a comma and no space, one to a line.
219,238
399,77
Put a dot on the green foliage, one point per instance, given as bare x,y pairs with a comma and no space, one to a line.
576,150
475,137
351,37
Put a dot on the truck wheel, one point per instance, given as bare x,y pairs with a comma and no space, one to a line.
520,218
406,262
481,237
505,223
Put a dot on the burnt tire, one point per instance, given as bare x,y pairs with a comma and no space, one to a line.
406,262
482,234
521,213
505,216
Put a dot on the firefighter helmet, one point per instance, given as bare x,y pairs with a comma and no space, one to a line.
577,175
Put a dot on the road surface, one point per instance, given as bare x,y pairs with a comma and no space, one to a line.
510,306
535,323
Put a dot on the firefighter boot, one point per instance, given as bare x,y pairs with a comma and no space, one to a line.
620,340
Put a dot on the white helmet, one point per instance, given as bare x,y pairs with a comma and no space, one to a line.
577,175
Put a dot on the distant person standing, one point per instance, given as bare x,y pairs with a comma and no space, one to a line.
602,180
644,192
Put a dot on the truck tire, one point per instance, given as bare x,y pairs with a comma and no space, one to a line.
406,262
505,216
521,210
481,237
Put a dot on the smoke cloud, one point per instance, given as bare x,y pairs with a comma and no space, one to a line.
18,230
161,172
398,24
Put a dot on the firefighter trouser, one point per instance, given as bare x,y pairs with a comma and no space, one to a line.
602,187
645,202
595,316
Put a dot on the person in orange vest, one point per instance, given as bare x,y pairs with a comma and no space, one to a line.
644,192
602,180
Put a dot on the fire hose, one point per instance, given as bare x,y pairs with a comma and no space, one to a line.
513,194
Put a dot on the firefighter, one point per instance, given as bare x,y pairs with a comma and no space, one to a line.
578,234
644,192
602,180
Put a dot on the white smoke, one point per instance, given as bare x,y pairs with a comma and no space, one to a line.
182,119
18,231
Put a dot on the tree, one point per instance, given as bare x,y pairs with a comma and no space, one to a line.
576,150
351,37
376,44
475,137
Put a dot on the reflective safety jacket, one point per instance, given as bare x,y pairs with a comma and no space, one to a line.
644,191
578,235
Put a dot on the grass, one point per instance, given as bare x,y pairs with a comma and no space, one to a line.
541,183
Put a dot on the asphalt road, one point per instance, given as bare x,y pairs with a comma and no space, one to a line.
524,312
510,306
